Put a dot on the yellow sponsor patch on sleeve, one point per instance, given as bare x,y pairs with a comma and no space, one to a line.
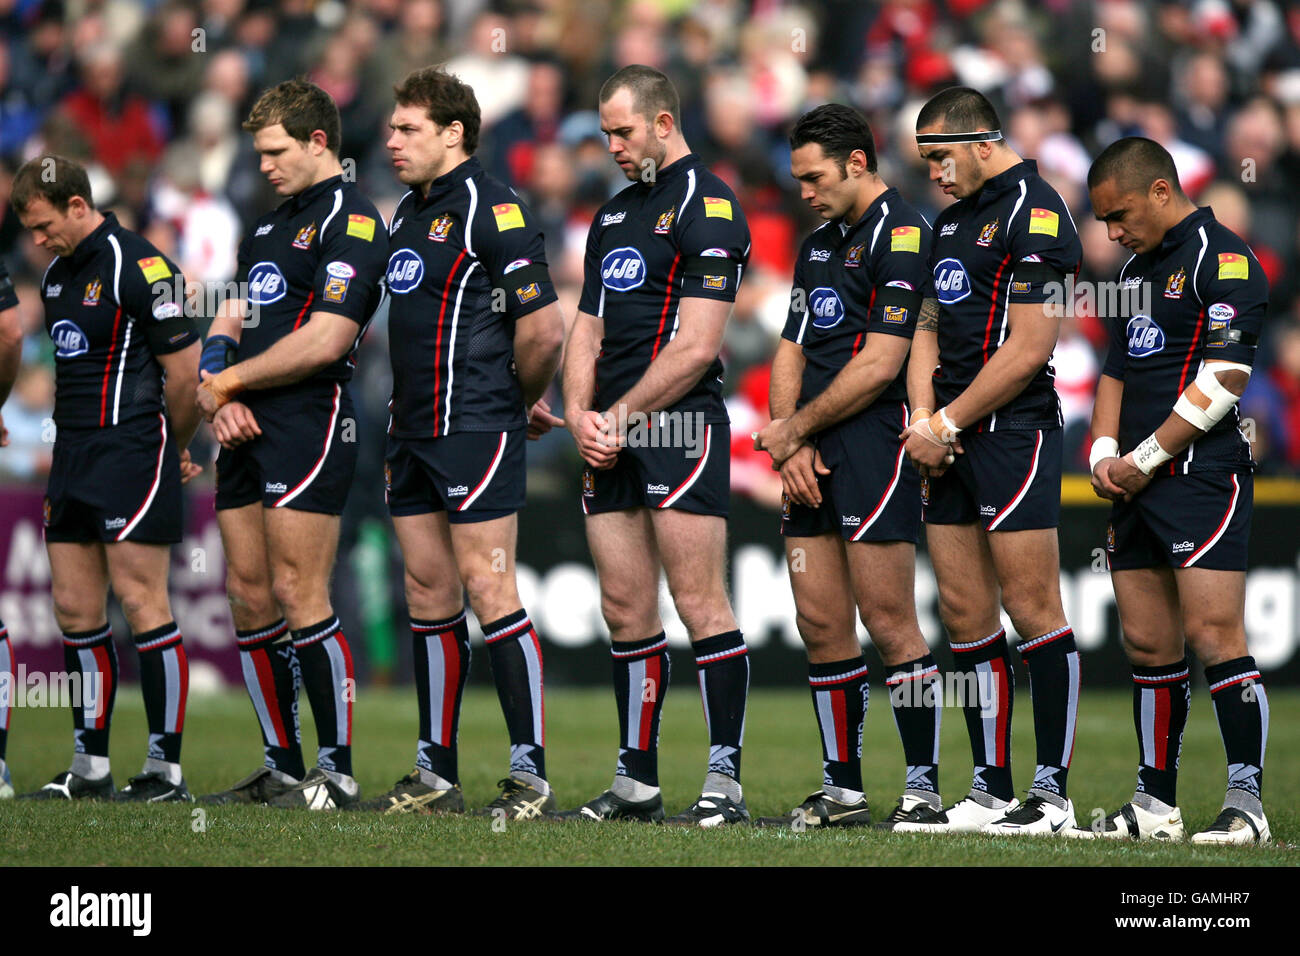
1233,265
155,268
508,216
1044,222
363,227
716,207
905,239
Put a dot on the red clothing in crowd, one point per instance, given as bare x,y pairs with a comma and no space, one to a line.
117,132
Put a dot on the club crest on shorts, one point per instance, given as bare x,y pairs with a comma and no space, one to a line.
987,233
785,507
1110,538
853,258
93,288
440,228
925,490
665,222
45,511
388,478
1174,286
305,235
588,483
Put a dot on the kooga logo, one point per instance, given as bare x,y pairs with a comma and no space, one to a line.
77,909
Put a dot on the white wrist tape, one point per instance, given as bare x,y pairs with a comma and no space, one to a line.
1149,456
949,431
1221,400
1103,447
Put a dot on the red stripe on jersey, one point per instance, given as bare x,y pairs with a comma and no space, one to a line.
1160,729
668,298
1187,363
871,304
437,353
993,308
305,306
108,369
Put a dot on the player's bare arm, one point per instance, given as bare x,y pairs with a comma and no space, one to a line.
681,362
1031,338
539,339
325,338
799,470
1133,472
180,375
585,424
921,363
11,350
1105,436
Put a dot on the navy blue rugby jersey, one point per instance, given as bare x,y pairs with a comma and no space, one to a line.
322,250
683,235
465,262
854,279
1208,298
8,298
1011,242
111,306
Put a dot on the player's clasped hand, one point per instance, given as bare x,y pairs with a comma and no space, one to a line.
540,420
591,433
778,440
1118,479
931,456
234,424
799,476
188,468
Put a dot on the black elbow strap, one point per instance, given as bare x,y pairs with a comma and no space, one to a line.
170,335
711,266
892,295
1036,272
521,278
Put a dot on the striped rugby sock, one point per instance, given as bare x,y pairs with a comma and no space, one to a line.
722,662
92,656
916,697
272,676
1162,696
839,695
1242,709
641,673
516,656
441,668
7,680
326,662
164,681
1054,680
988,688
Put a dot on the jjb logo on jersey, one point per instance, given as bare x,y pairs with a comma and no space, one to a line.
1144,337
951,283
622,269
405,270
266,284
826,308
69,340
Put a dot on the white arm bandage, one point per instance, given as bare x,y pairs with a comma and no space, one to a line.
1221,400
1103,447
1149,455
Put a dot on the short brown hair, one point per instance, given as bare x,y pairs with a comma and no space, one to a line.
301,107
445,98
652,92
56,179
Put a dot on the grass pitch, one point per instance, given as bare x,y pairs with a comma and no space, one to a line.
781,766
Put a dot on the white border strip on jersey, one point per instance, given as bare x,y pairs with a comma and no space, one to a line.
1223,525
121,367
487,479
451,347
153,489
699,470
338,204
875,233
469,219
320,462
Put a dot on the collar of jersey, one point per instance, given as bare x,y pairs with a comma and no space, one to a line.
674,169
90,246
450,180
1005,181
1179,233
312,193
867,216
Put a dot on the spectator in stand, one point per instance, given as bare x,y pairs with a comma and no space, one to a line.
119,125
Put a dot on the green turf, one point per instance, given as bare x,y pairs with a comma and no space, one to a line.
781,765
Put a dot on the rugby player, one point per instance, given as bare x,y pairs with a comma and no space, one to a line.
980,369
642,393
851,508
1169,452
125,364
313,270
11,348
475,336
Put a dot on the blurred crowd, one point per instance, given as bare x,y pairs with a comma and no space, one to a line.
151,96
